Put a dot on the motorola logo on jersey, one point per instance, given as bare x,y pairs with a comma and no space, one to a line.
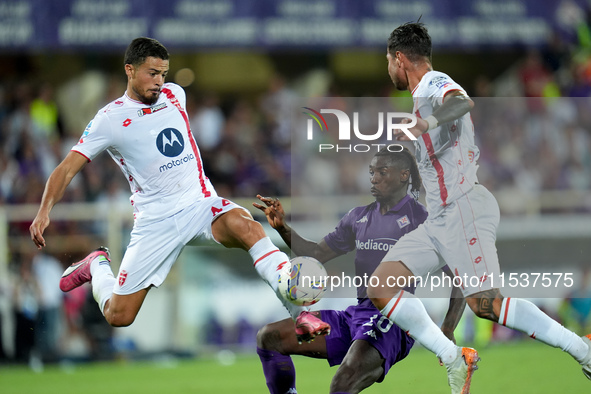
177,162
170,142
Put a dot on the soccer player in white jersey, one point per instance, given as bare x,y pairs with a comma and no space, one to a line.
147,133
460,230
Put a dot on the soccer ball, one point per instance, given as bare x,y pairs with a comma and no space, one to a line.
305,283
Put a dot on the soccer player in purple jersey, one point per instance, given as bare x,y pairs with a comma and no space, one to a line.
147,133
463,217
363,342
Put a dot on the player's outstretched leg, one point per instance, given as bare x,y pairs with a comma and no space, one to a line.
237,229
275,343
522,315
459,373
269,262
94,268
279,371
79,273
409,313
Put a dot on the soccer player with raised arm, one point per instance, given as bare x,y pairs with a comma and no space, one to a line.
460,230
363,342
147,133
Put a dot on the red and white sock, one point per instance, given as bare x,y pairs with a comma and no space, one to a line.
268,262
522,315
409,313
102,282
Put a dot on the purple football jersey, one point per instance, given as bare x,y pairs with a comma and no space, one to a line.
371,234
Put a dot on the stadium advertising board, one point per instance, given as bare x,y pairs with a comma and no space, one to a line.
39,24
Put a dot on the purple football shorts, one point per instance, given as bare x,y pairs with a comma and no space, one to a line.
365,322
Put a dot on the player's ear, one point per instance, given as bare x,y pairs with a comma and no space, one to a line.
399,58
404,175
129,69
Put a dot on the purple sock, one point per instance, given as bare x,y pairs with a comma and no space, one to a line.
279,371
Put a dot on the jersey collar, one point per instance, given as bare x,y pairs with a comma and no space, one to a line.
420,82
132,100
398,206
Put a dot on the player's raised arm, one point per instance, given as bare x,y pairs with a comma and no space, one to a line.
301,246
54,190
455,105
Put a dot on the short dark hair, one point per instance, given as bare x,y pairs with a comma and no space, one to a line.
404,160
141,48
412,39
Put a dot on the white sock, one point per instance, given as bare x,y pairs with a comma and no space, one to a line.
102,282
524,316
268,259
409,313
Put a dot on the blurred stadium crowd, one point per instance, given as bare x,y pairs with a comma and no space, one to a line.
533,127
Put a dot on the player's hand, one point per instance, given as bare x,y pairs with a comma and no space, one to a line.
37,228
418,129
273,210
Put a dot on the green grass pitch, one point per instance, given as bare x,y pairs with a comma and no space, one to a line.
524,368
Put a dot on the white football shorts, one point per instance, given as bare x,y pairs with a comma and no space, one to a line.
155,247
463,237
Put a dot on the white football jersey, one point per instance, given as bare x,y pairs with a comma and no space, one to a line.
155,149
447,155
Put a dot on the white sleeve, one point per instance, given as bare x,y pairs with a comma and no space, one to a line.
440,85
96,137
179,92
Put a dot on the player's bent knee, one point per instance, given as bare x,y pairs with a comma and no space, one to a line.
120,319
486,304
236,229
376,296
372,293
353,378
269,338
248,232
264,338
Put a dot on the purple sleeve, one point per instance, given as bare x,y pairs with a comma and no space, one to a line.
447,270
419,213
342,239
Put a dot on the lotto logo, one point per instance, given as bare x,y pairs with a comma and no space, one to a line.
122,277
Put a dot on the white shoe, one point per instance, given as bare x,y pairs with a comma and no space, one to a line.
586,363
459,373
